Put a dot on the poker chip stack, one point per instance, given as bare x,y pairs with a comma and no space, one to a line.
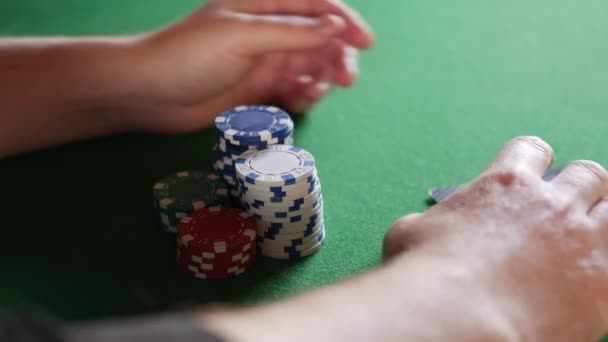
180,194
280,187
246,128
216,243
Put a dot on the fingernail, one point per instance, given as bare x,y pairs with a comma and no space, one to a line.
351,60
332,24
305,79
323,87
317,91
302,106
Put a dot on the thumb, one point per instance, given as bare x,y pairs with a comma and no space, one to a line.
262,34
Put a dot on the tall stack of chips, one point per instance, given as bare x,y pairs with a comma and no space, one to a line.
247,128
180,194
280,187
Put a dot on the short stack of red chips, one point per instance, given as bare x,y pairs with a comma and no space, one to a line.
216,243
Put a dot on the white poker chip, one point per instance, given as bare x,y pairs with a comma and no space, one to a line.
277,165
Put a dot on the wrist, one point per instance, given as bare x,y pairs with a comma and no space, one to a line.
96,84
446,296
67,89
116,88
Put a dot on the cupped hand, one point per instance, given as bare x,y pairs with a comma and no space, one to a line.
233,52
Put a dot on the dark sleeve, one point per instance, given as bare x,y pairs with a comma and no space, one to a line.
174,328
22,328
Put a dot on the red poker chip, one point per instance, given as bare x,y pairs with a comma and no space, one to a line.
213,276
215,269
184,257
216,243
187,259
243,248
224,273
216,230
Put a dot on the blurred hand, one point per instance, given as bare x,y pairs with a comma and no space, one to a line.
538,248
233,52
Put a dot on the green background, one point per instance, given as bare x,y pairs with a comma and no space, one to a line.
446,85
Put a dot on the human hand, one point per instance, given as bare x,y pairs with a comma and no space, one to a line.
537,247
233,52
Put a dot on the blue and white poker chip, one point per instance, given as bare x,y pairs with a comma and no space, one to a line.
284,214
284,245
301,242
291,204
254,125
281,237
293,191
272,202
294,253
279,228
226,147
313,215
277,165
227,150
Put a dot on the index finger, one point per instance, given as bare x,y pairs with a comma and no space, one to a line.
357,32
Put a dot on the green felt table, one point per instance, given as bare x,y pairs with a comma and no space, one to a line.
446,85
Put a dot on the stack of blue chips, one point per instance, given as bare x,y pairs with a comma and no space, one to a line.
279,185
248,128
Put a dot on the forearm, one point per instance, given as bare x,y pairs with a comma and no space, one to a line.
58,90
417,298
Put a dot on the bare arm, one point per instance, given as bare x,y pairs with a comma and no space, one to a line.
178,78
58,90
421,297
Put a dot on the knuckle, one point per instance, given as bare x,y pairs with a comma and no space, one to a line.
407,220
600,212
584,222
521,176
557,208
591,168
536,143
401,236
401,225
